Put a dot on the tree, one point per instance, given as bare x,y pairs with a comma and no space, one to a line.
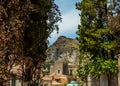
114,20
95,37
25,26
41,23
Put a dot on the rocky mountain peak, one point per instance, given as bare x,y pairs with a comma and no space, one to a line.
64,48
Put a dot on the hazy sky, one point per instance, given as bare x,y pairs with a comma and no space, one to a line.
70,20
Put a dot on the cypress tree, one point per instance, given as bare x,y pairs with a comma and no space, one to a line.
96,39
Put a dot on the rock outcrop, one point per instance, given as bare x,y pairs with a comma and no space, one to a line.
64,48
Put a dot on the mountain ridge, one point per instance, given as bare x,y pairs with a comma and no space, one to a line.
63,48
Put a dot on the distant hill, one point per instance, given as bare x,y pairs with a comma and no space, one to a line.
63,48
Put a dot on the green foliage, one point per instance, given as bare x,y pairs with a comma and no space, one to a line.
101,66
110,45
98,67
41,22
96,38
91,31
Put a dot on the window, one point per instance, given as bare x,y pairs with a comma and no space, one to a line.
13,82
58,71
71,72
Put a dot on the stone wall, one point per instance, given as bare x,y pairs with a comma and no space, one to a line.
103,80
56,67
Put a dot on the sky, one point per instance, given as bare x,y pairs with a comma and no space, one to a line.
70,20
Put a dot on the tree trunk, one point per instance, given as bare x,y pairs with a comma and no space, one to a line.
119,71
1,82
104,80
95,82
28,76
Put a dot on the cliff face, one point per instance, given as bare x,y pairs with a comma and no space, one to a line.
65,49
